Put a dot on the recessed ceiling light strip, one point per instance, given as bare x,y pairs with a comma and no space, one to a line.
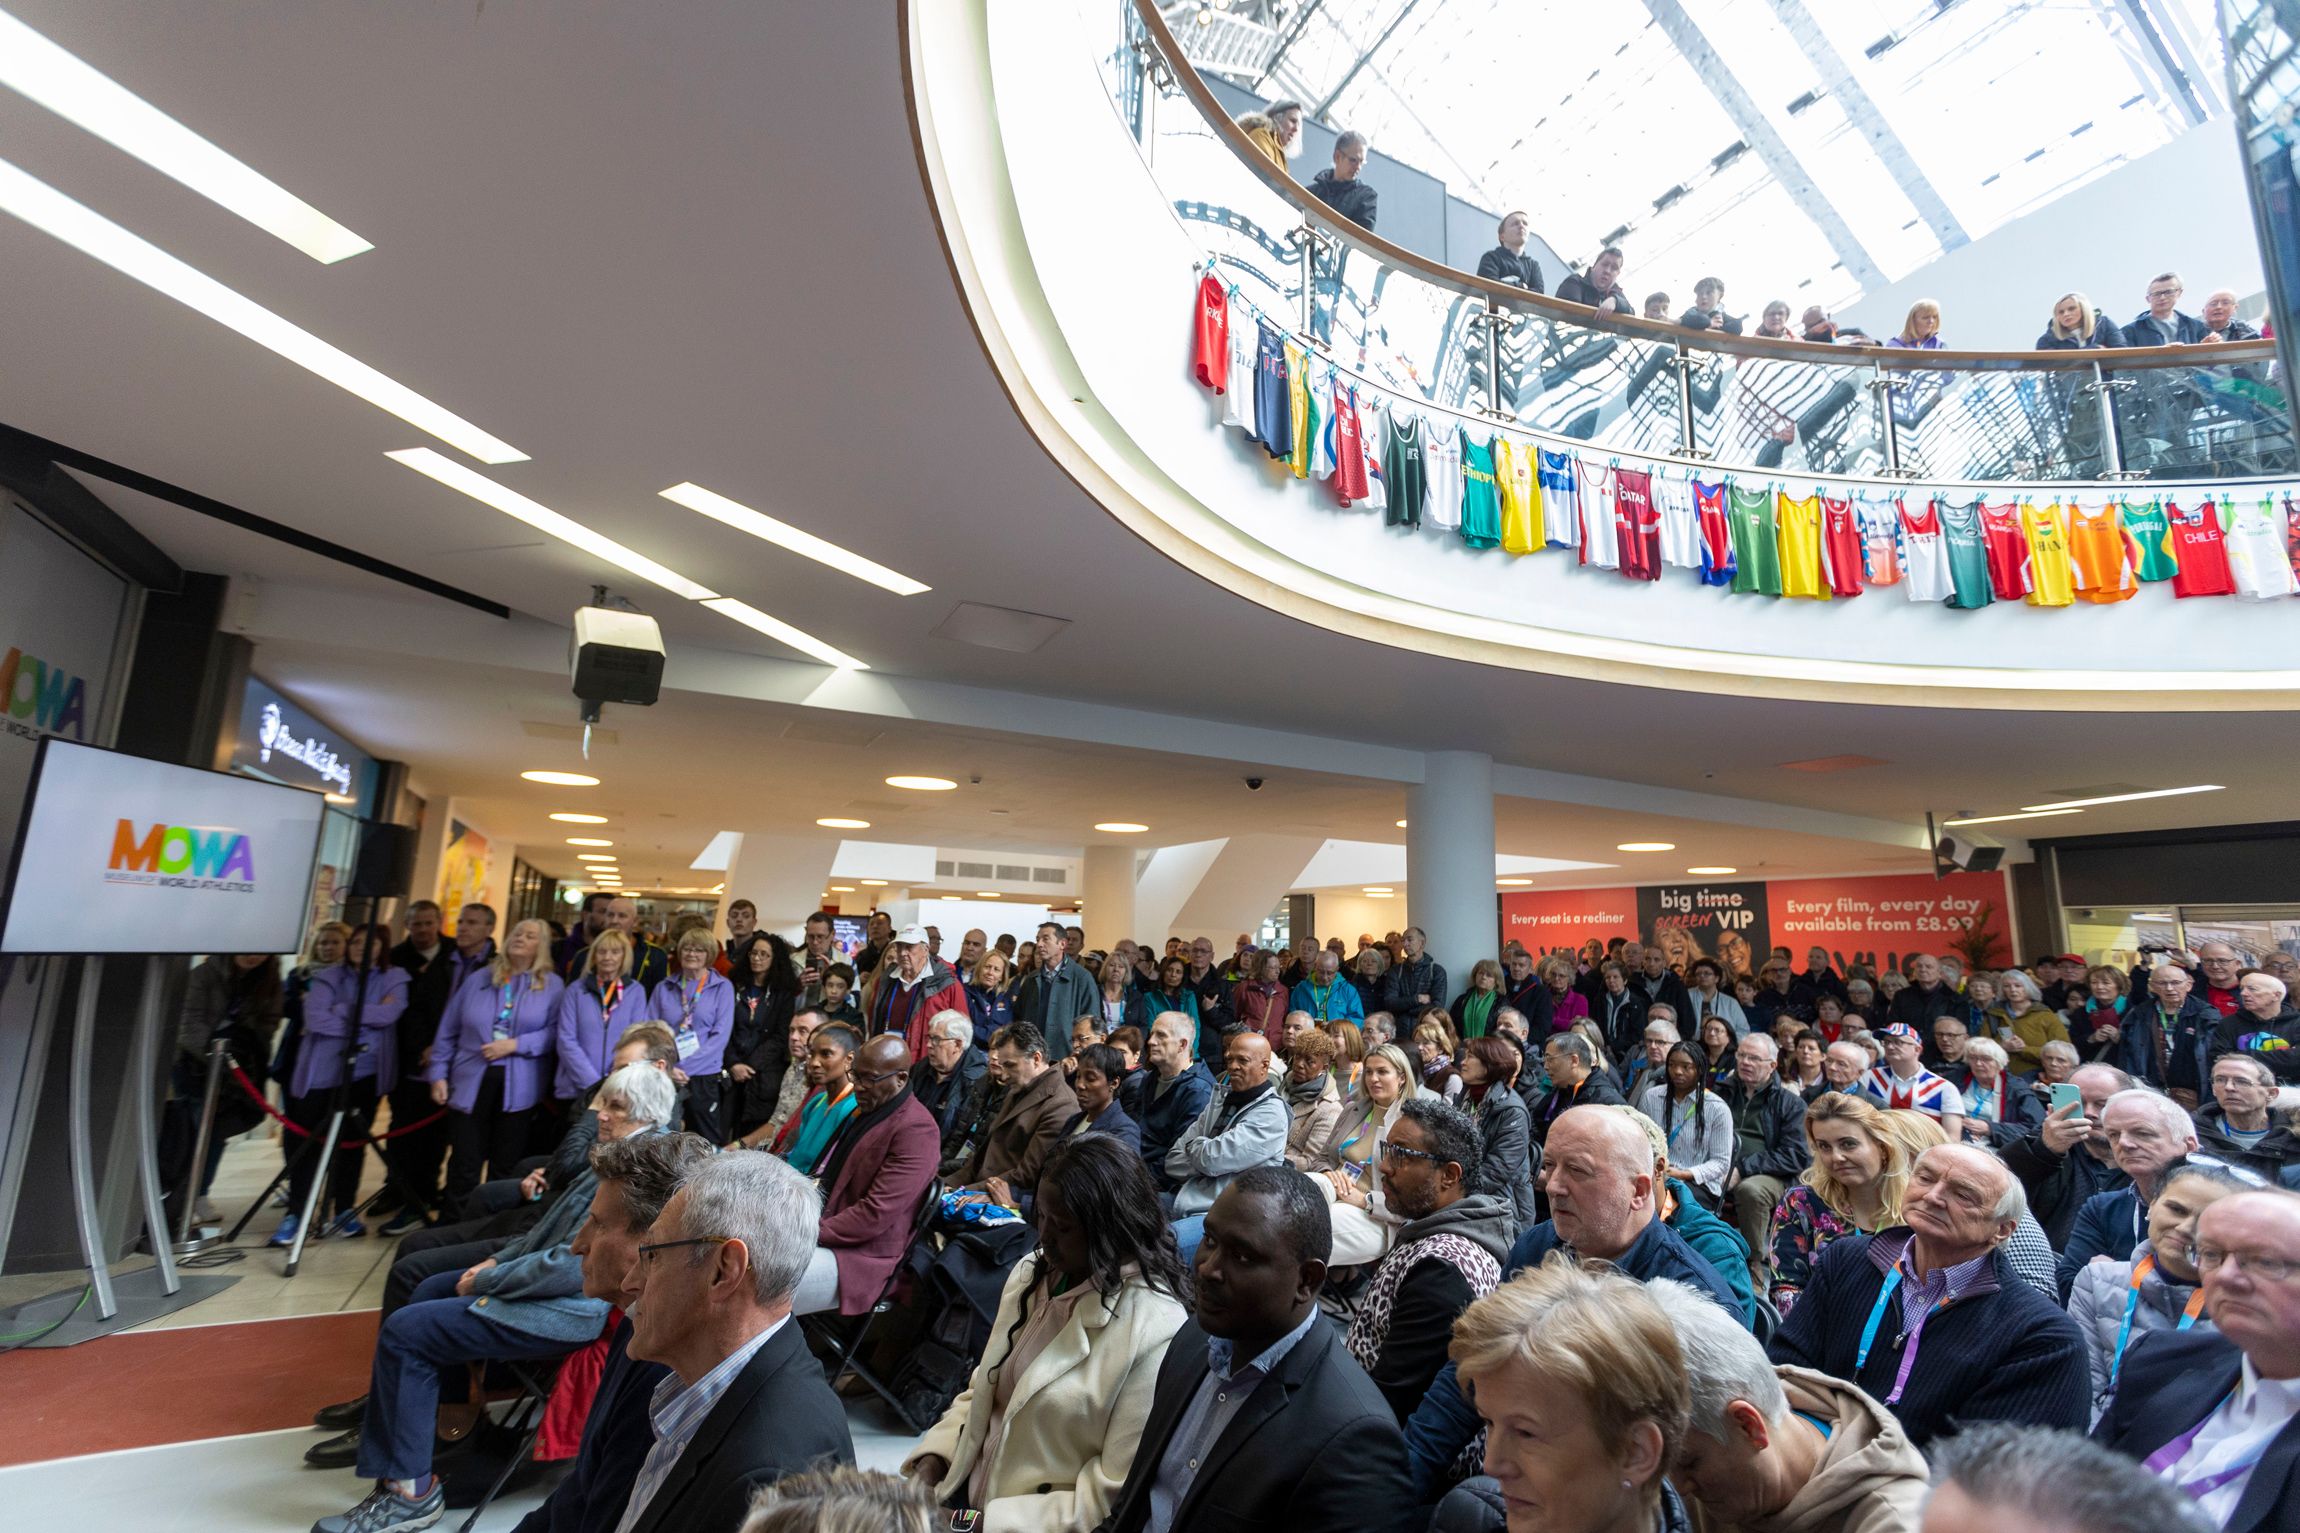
65,85
783,535
92,234
775,628
2120,798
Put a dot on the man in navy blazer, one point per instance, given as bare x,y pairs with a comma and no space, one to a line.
2219,1415
1262,1419
636,1177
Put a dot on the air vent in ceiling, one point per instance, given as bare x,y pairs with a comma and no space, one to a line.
1012,873
974,870
1833,764
1050,875
946,870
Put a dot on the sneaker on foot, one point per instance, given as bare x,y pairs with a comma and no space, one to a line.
285,1234
386,1511
341,1416
405,1220
204,1212
346,1227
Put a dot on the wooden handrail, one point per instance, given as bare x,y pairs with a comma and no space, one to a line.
1518,301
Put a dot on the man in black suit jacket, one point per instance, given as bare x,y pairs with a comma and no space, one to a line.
1261,1418
2195,1407
746,1403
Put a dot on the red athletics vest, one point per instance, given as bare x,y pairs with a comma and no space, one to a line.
1210,349
2200,545
1841,544
1638,524
2007,548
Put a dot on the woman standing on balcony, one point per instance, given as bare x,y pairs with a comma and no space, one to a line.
1922,329
2078,326
1274,131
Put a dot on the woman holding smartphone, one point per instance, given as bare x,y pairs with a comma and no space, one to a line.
1046,1430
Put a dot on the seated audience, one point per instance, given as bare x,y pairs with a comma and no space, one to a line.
2146,1132
873,1177
1997,1477
635,1177
1623,1014
1567,1005
1171,1094
2158,1289
525,1303
1716,1040
1782,1448
1853,1185
1904,1084
1243,1126
1260,1417
1646,1066
1769,1141
1046,1430
1038,1102
1313,1101
1100,1073
1505,1166
940,1082
1346,1169
807,1134
2216,1414
1714,1239
1695,1122
1998,1108
845,1501
1575,1080
1581,1388
1993,1348
1435,1045
1946,1040
2240,1126
1602,1209
1448,1251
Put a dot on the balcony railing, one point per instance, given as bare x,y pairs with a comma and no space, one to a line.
1460,343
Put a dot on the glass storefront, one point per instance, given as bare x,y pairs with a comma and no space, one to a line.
2123,935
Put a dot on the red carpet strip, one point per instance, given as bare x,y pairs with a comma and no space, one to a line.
137,1390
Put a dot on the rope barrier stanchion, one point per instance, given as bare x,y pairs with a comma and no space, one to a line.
301,1132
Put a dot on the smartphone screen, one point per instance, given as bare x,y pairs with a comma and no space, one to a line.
2064,1094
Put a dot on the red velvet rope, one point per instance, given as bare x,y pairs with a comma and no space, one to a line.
299,1130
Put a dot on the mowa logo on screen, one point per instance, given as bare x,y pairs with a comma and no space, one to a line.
182,857
37,698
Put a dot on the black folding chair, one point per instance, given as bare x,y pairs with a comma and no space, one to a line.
843,1338
523,1423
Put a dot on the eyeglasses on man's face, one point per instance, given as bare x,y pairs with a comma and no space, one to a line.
1392,1150
647,1253
2268,1269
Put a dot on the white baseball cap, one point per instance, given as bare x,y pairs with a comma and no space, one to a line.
910,934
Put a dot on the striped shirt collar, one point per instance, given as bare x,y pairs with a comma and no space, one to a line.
677,1409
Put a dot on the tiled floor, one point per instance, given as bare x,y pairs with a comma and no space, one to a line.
258,1482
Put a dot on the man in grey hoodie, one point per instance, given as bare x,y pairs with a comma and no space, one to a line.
1447,1255
1782,1449
1244,1125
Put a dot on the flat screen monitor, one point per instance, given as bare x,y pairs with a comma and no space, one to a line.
116,854
848,934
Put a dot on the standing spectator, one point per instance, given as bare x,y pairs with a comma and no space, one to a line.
1708,311
758,1055
1657,307
1213,991
1473,1009
2162,323
1416,980
352,1053
1707,997
1922,328
1173,1091
2220,321
2156,1289
700,1006
568,956
1340,188
2078,326
923,985
1600,286
1507,261
2096,1014
1504,1166
1661,986
492,1058
1696,1124
1818,326
1046,1431
1325,995
2265,1025
1993,1348
1928,995
1997,1476
1769,1135
1566,1005
878,935
1774,324
2146,1133
989,1001
2168,1040
1260,1418
434,968
2218,1415
816,958
597,1005
1620,1010
2240,1127
1448,1252
1059,991
1274,129
1259,1003
1784,1449
238,998
1119,1003
2221,967
742,931
648,962
2033,1024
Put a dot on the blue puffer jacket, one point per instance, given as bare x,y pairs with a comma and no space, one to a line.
536,1284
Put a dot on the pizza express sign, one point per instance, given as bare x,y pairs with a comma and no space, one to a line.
281,741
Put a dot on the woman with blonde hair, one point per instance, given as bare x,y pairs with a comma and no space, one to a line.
1922,328
1859,1171
493,1057
1582,1386
1349,1055
699,1003
2077,326
1346,1167
598,1004
1435,1045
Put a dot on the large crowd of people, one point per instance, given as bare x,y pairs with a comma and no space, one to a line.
1632,1237
2075,322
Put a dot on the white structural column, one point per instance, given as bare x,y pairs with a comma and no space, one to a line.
1109,894
1449,860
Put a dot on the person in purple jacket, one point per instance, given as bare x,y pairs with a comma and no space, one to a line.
601,1001
334,1051
699,1005
492,1059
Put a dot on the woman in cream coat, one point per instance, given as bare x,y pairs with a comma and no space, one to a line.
1347,1167
1042,1437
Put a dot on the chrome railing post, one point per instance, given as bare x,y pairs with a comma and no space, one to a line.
1888,430
1495,321
1306,238
2111,453
1687,445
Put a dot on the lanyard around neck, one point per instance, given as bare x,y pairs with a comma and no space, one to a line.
2140,1270
1915,1335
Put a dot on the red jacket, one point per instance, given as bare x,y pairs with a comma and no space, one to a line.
907,1010
869,1210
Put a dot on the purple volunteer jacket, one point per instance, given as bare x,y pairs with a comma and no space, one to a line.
468,1025
586,1030
327,1041
711,1014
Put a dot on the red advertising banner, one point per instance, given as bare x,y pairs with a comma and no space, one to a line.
1872,921
1875,921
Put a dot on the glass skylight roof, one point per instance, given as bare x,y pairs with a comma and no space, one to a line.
1817,149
